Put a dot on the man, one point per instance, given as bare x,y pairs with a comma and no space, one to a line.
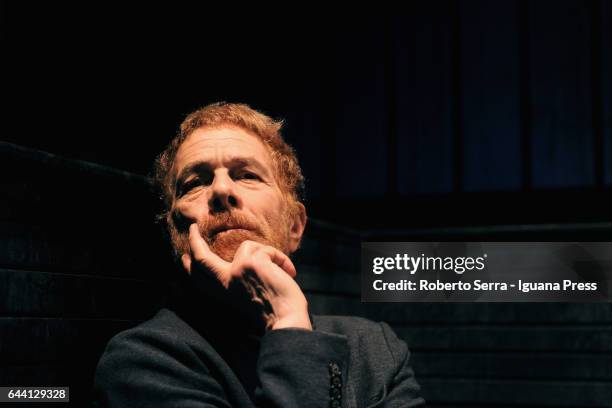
238,333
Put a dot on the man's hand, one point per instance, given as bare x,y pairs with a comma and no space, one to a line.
260,279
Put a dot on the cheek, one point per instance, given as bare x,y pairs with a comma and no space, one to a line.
272,207
193,210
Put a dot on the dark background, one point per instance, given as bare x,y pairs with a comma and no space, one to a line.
445,120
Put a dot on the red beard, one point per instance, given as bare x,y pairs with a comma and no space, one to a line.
224,232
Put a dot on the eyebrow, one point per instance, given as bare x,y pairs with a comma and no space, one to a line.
234,162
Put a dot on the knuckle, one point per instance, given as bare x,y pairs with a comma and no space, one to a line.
265,252
245,248
259,259
247,244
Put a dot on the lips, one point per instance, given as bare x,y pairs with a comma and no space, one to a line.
226,228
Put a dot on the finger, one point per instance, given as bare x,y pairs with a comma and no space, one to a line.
202,253
186,260
282,261
249,248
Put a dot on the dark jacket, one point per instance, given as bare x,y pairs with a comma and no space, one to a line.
165,362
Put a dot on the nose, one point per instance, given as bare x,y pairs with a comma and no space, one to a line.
224,196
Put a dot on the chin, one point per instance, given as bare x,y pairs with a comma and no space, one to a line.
225,244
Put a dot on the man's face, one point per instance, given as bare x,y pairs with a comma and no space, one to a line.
226,184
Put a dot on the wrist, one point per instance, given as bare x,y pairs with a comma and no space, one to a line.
301,321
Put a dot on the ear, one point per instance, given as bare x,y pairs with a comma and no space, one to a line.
298,224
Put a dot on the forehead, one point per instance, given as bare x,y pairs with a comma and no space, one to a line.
219,144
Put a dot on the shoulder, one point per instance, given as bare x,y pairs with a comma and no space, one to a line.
164,331
158,356
162,334
164,322
162,341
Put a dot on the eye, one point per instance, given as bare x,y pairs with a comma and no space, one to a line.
247,175
190,185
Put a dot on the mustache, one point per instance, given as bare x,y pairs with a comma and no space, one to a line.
224,221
